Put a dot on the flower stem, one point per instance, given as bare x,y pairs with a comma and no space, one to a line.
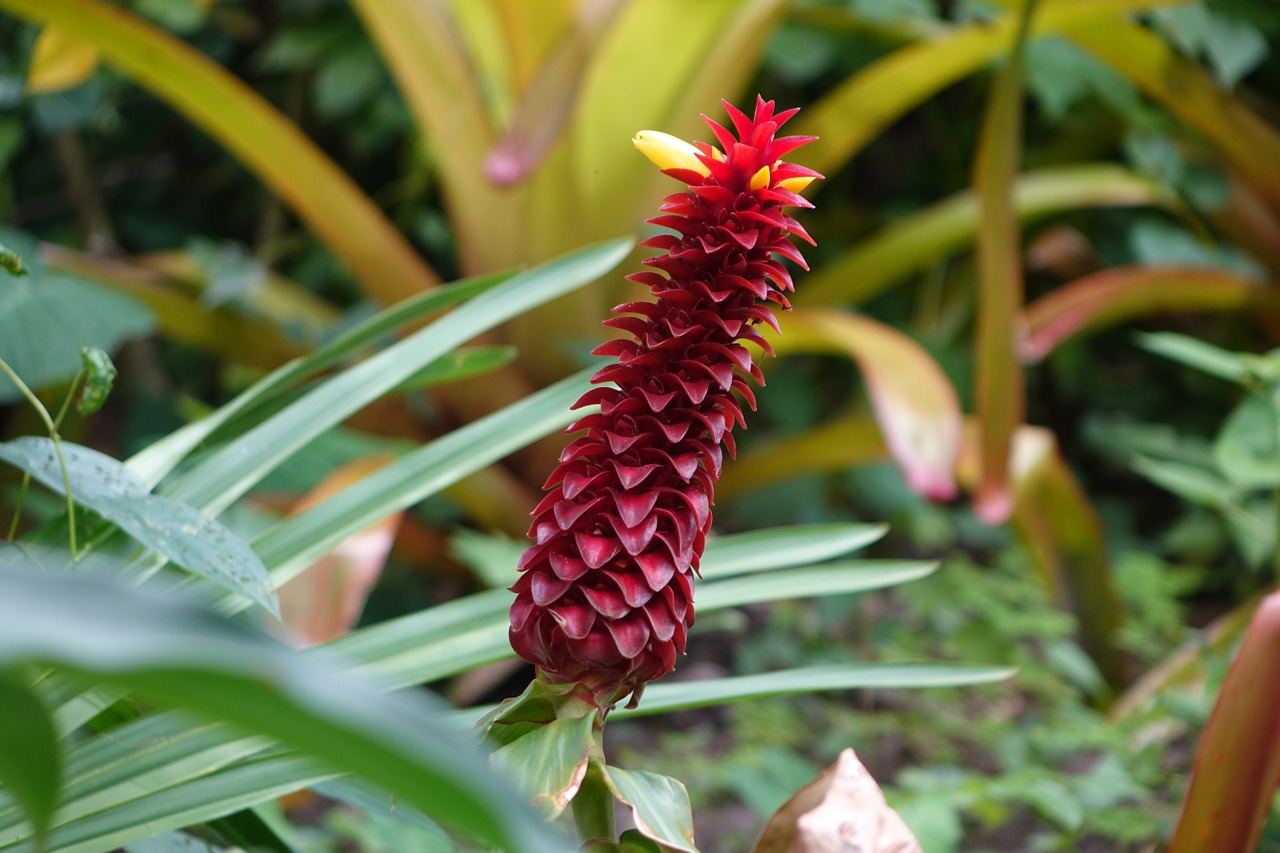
52,426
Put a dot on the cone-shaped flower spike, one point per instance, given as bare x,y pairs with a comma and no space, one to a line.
605,595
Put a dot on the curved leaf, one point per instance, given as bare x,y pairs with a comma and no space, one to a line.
60,61
838,444
252,129
914,243
179,654
1118,294
914,401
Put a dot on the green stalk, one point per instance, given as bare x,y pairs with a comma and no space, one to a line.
52,426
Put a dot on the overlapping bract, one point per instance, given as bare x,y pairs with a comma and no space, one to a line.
605,595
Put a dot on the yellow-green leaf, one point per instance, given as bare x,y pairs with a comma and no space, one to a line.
254,131
60,61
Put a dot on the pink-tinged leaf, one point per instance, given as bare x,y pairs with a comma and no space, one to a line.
1189,92
325,600
1237,766
547,106
914,401
843,809
1114,295
999,395
1063,534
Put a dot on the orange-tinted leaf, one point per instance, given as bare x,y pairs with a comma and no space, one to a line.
914,243
1114,295
1237,766
254,131
914,401
325,601
60,61
843,809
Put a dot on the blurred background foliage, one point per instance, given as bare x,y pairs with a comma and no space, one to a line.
1002,210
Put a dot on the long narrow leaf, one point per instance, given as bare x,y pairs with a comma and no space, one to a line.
998,385
836,445
234,469
182,655
1118,294
256,132
912,244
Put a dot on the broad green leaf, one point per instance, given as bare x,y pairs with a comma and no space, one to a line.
1247,449
663,697
30,756
1237,765
46,318
235,468
914,401
998,392
914,243
659,805
550,761
1122,293
183,534
179,654
253,130
1188,481
60,61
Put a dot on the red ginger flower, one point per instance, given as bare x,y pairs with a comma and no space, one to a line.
605,597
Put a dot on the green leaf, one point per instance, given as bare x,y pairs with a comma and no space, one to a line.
253,130
1196,353
99,376
235,468
175,842
1247,450
230,273
157,460
662,698
46,319
830,579
30,757
550,761
177,653
462,363
1188,481
181,533
777,548
659,805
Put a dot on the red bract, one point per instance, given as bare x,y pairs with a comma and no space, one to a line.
606,592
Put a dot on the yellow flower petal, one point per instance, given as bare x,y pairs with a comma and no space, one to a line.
795,185
669,152
760,179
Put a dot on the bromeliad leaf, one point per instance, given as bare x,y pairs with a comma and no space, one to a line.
180,532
